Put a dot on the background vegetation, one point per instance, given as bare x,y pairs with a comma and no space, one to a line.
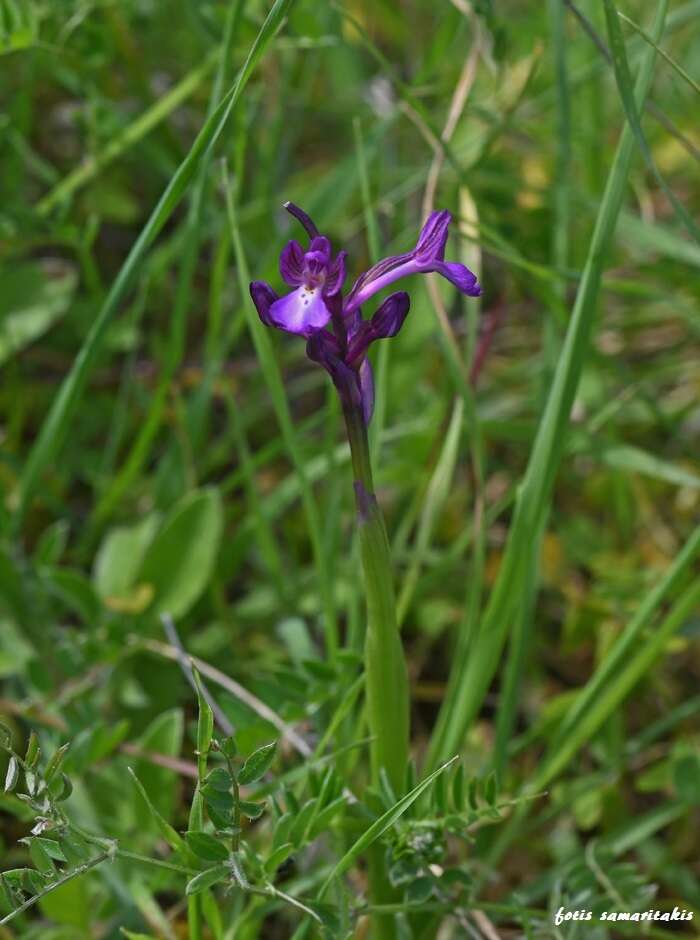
183,482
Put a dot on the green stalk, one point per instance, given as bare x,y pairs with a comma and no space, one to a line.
385,667
472,672
386,678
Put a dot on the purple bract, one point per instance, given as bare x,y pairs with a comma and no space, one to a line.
316,300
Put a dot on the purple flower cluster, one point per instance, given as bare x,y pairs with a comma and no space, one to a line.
316,300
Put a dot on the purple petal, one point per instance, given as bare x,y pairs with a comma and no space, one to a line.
292,264
301,312
366,377
433,237
336,275
321,246
263,298
388,319
459,275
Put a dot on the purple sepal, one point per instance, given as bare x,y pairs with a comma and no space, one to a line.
263,298
335,278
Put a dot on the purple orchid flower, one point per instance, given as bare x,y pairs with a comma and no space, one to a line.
316,300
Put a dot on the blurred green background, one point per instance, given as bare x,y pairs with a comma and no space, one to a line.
200,476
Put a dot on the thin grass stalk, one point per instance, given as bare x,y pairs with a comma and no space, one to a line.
183,299
56,425
470,678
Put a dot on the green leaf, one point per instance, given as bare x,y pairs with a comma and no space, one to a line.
459,788
491,788
164,736
40,857
32,755
205,846
75,590
61,788
219,800
625,86
205,725
55,426
686,777
277,857
380,826
34,296
476,662
120,556
228,747
54,764
207,878
179,561
419,890
69,904
257,764
52,543
252,810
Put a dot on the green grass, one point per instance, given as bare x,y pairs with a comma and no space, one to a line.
162,452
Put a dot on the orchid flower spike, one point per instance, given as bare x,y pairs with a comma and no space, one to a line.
316,300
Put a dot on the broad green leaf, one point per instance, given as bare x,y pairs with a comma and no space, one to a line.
178,563
120,556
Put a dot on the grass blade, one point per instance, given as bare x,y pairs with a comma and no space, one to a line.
624,84
55,426
570,736
471,673
380,826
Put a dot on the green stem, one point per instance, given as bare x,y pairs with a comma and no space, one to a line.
385,667
386,677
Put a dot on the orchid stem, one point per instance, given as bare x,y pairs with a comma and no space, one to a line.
386,676
385,667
